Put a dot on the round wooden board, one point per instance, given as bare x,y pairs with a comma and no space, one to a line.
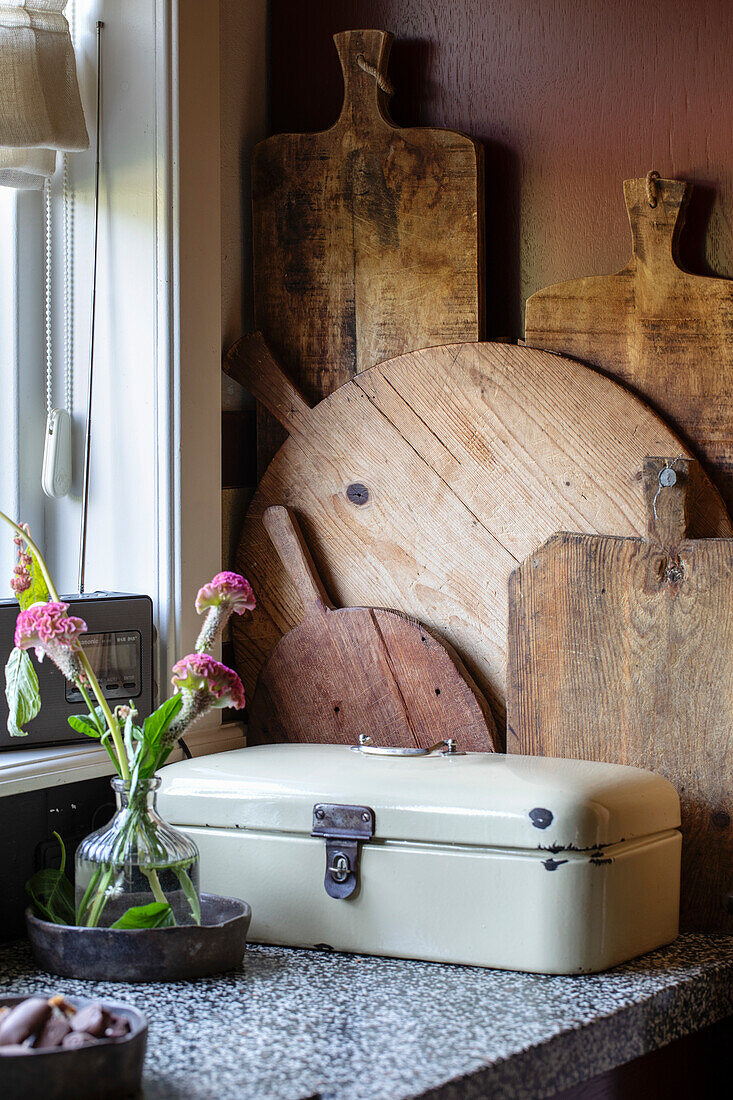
471,455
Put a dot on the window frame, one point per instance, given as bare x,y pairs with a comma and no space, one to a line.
185,390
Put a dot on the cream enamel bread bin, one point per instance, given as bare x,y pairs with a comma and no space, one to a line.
519,863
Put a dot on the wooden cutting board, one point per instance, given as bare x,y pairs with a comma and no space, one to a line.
422,482
367,238
359,670
621,650
666,333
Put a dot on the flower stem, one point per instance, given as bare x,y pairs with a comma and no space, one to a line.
81,912
92,709
114,728
152,877
100,898
84,660
213,625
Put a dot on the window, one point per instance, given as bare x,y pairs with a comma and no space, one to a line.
155,500
21,365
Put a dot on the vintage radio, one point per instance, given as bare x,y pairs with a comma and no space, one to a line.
119,645
515,862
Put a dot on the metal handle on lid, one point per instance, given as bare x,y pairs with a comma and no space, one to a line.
447,748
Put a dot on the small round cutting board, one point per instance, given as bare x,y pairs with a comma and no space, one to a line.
343,672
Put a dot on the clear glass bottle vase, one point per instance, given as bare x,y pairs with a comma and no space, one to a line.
135,860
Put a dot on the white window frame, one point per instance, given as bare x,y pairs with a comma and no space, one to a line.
186,475
21,343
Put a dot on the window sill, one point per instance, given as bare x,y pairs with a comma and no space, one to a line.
35,769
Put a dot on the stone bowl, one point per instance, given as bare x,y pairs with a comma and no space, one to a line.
104,1071
145,954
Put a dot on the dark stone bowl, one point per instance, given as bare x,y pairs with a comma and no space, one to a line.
104,1071
145,954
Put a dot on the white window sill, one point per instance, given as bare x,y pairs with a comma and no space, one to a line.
35,769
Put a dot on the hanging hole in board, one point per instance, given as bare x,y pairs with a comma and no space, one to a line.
651,188
382,82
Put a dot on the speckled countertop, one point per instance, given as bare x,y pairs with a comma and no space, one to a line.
293,1024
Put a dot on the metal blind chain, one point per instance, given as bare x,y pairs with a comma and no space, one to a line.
47,294
68,202
68,290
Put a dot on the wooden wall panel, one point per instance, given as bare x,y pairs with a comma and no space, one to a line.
569,97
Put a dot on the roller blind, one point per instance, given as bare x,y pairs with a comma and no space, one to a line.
40,107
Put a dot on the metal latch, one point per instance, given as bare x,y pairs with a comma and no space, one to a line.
343,828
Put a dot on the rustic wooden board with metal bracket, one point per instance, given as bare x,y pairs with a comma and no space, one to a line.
367,237
621,650
420,484
343,672
665,332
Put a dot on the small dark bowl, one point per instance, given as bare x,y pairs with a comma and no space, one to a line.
104,1071
145,954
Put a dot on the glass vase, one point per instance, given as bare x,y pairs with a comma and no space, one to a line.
135,860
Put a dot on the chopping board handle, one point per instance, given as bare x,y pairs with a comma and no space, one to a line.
656,209
364,56
251,363
287,538
668,495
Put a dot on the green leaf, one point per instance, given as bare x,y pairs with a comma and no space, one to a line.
38,590
52,893
163,756
83,725
21,691
158,722
157,914
154,729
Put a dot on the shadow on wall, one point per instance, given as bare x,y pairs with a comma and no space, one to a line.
413,61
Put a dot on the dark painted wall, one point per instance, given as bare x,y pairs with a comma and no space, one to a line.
569,96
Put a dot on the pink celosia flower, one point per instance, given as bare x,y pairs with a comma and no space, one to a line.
19,542
199,672
21,579
46,626
227,590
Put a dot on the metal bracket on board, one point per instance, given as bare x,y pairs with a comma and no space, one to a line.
343,828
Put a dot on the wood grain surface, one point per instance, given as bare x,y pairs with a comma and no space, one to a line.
666,333
422,482
621,650
367,237
567,99
343,672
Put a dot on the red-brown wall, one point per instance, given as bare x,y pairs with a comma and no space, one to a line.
570,97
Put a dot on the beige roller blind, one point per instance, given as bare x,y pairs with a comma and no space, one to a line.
40,107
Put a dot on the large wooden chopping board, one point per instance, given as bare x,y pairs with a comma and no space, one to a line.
347,671
621,650
666,333
422,482
367,238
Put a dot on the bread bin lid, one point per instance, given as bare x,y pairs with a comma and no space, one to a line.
486,799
